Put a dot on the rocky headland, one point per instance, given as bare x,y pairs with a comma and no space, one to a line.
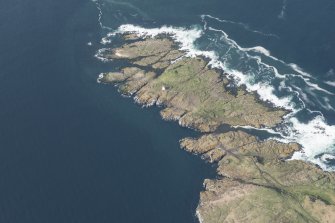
256,182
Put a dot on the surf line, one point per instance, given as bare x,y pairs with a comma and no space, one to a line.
308,79
243,25
292,130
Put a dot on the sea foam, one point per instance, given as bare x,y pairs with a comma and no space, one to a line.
314,135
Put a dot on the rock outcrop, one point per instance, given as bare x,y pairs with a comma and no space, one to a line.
190,91
256,182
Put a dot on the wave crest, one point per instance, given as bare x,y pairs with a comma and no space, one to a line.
315,135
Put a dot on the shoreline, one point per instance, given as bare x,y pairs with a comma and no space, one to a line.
241,167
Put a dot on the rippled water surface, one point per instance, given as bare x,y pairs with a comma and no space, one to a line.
284,50
72,150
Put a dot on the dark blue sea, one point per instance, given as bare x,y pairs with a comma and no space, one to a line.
73,150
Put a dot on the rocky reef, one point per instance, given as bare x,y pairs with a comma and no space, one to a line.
256,181
257,184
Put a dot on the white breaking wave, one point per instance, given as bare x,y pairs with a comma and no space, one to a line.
264,90
267,53
331,83
243,25
259,49
296,68
315,136
325,158
99,55
185,37
100,77
306,77
315,86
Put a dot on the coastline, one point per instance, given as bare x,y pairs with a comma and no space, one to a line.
241,166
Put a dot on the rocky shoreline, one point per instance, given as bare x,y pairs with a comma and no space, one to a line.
255,181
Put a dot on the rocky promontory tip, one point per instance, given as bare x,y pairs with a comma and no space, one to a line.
256,182
190,91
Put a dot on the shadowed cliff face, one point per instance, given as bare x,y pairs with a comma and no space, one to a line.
255,182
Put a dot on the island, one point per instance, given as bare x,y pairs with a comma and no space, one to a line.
256,182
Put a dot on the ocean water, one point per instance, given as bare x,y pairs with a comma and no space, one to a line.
73,150
283,50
